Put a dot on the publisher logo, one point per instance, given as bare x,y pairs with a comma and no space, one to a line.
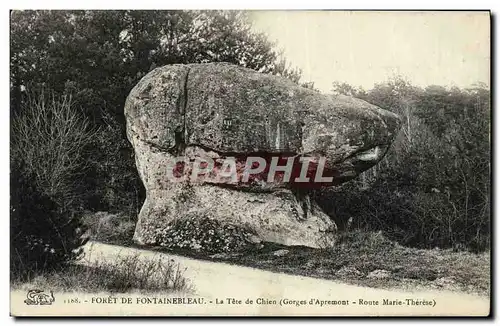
39,297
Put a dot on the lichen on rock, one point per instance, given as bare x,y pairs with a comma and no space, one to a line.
220,110
202,233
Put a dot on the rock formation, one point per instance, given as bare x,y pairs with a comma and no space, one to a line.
219,111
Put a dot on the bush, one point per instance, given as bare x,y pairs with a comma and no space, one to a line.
433,187
407,214
48,140
43,235
110,228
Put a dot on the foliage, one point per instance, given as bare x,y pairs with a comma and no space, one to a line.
47,148
204,234
98,56
110,228
359,253
68,153
433,187
51,138
123,274
43,235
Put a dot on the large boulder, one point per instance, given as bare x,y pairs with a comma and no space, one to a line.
221,111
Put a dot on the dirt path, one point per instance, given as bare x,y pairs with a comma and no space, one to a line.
217,282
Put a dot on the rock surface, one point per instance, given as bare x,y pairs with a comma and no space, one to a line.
220,110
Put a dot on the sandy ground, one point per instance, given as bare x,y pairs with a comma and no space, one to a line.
255,292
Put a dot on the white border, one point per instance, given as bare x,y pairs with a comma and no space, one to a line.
192,4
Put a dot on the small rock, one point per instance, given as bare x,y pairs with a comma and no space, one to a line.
379,274
253,239
219,256
281,252
225,255
444,281
348,271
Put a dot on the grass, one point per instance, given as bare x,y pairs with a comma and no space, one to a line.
356,254
124,274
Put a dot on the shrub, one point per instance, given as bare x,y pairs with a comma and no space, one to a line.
50,136
48,140
99,55
408,214
149,274
43,235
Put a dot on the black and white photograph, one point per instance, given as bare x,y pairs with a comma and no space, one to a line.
327,163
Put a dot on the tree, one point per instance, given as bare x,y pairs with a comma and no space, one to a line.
98,56
433,186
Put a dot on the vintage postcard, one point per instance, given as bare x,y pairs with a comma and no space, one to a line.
250,163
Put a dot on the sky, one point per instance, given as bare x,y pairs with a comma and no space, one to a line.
364,48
